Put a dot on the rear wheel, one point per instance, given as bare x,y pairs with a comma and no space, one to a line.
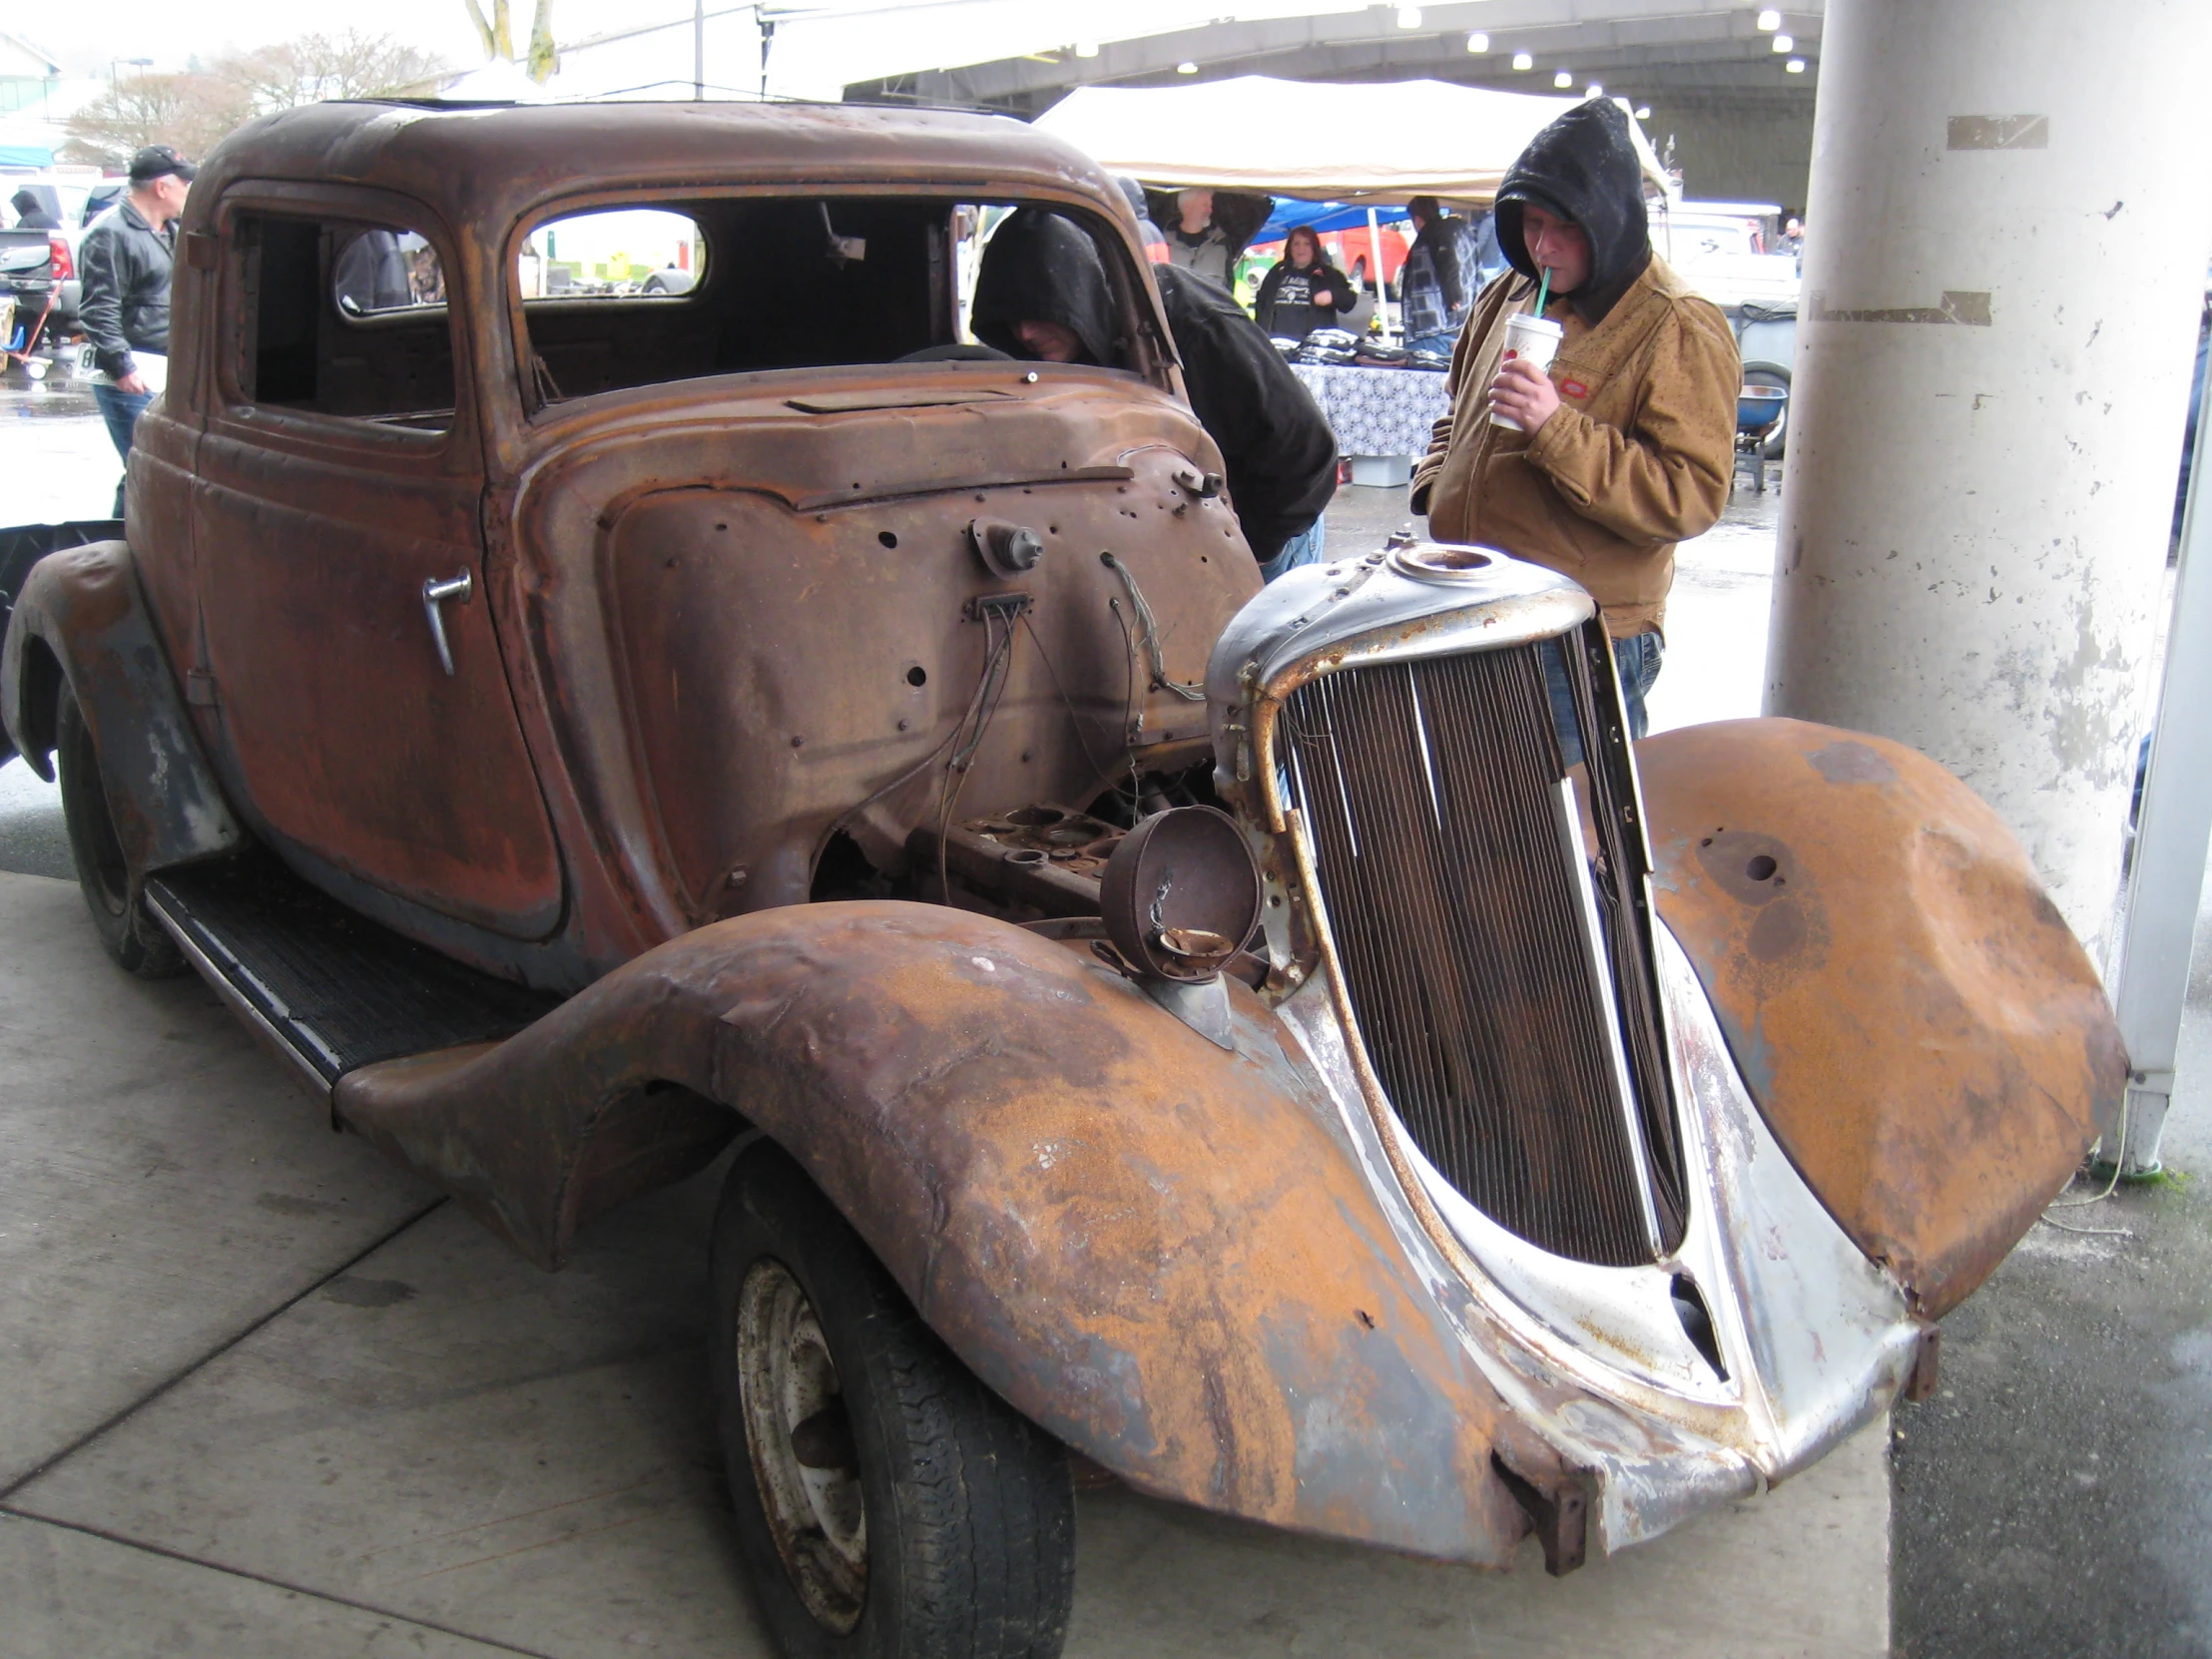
132,936
888,1504
1771,375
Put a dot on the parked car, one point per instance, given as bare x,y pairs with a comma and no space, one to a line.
1725,251
49,288
38,270
1203,1027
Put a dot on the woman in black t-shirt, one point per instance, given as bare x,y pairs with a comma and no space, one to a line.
1304,291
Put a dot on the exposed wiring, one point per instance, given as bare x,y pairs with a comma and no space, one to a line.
937,753
2110,1186
997,654
1148,635
1100,772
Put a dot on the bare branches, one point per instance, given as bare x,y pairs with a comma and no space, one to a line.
194,111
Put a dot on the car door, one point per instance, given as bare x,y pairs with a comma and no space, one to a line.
360,696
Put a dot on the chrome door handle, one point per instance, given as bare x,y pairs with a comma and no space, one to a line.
435,595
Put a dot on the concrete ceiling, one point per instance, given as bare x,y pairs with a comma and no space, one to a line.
1701,52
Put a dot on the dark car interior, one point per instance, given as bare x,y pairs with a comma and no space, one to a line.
296,348
786,284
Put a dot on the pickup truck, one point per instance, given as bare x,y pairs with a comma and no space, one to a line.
1201,1028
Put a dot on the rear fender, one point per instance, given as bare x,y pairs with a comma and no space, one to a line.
1925,1037
1166,1255
81,616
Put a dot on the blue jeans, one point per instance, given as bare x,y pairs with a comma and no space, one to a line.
1435,342
1302,549
120,410
1636,659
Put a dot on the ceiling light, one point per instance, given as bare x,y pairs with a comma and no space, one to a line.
1525,60
1643,112
1783,43
1186,66
1563,80
1478,42
1796,66
1593,90
1770,20
1086,48
1409,17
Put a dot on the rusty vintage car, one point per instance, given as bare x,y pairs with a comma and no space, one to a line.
1201,1028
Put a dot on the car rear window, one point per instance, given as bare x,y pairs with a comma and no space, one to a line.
341,319
646,293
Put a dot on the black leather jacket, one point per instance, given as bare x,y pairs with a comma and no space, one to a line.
123,266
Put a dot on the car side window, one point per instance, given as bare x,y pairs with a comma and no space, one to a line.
342,318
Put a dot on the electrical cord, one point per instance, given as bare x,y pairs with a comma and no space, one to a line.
998,654
976,698
2083,1203
1147,634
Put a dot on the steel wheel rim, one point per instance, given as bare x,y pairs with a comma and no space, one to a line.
800,1438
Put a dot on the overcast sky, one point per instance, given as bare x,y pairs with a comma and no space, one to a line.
848,39
90,32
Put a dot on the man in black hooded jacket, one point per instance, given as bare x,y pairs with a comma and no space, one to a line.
1043,294
1626,446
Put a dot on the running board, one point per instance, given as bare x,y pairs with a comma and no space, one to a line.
329,990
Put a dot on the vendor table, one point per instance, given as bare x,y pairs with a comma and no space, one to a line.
1376,411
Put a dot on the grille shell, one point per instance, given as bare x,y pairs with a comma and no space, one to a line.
1489,981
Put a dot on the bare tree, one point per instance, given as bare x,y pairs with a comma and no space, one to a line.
316,67
190,112
195,112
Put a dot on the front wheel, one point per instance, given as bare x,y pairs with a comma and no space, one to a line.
888,1504
131,935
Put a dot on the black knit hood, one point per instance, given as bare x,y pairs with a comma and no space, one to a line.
1584,167
1039,267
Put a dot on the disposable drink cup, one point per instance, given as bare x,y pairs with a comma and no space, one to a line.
1532,339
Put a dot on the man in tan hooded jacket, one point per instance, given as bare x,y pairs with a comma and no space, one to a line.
1629,441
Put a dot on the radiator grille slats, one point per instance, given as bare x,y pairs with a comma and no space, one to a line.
1430,790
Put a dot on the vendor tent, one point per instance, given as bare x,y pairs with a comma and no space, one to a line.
1379,141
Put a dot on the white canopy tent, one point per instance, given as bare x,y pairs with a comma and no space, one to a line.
1380,141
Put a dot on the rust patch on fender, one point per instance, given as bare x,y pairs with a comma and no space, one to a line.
1928,1040
1166,1255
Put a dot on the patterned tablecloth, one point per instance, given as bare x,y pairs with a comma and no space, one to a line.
1376,411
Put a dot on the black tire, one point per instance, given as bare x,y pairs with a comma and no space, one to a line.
1757,373
866,1438
130,934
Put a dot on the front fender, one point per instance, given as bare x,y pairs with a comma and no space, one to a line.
1166,1255
1924,1034
82,617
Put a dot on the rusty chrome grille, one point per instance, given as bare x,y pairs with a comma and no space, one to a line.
1445,847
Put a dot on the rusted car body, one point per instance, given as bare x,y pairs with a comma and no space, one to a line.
750,725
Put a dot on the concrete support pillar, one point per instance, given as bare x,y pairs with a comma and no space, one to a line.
2010,214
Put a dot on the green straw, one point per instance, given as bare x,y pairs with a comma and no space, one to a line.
1543,291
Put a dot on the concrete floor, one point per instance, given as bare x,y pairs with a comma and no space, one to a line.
267,1397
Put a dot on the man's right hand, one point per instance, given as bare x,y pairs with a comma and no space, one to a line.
133,382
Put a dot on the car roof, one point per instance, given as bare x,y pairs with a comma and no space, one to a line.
486,165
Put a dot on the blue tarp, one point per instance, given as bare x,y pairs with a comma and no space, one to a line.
25,154
1324,217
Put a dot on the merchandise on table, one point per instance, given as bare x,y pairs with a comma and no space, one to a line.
1375,412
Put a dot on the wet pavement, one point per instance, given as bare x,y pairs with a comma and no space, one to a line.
2053,1497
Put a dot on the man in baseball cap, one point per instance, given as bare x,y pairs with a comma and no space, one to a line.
124,264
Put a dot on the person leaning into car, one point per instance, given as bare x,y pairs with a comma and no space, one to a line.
1628,443
124,264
